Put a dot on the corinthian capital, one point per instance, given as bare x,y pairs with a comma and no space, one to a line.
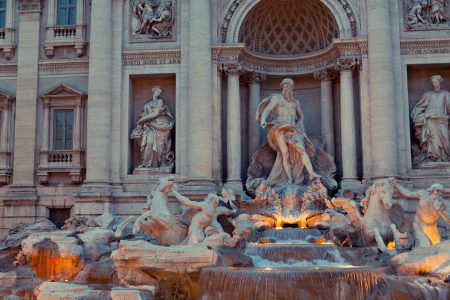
254,77
346,64
326,74
232,69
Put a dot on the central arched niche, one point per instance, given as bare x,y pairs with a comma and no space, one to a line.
288,27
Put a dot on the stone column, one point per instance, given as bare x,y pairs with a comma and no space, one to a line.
5,129
326,78
200,94
99,111
381,91
348,127
98,158
45,126
254,134
27,89
77,128
234,157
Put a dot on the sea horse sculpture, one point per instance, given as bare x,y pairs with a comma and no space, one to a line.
158,220
375,225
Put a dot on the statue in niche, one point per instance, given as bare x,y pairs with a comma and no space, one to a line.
427,12
152,133
429,208
155,18
289,152
431,120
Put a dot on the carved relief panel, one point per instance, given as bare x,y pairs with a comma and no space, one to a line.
152,20
426,14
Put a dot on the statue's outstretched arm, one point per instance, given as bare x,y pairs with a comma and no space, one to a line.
186,201
265,108
444,215
405,192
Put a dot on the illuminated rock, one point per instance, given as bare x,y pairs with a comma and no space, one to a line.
68,291
55,255
139,262
434,259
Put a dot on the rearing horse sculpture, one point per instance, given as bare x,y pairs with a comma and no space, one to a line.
375,226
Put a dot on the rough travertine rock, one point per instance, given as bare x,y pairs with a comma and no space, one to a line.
97,241
54,255
135,260
433,260
22,231
68,291
129,294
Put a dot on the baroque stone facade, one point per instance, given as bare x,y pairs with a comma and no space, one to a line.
72,92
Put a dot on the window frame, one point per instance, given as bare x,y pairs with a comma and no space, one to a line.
54,129
66,7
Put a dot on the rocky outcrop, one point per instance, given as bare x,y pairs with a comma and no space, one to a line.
140,262
68,291
433,260
54,255
21,231
72,291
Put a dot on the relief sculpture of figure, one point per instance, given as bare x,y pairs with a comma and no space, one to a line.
431,119
287,136
154,127
438,11
429,208
415,15
155,17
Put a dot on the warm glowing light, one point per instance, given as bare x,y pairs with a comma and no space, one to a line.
303,227
278,227
390,246
267,269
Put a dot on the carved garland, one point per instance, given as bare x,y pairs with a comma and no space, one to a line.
234,6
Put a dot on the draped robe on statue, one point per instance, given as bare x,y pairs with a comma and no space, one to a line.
294,134
156,143
431,120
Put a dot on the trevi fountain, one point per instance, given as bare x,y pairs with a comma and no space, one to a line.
224,149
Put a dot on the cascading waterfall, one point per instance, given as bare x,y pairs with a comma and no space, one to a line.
290,268
301,283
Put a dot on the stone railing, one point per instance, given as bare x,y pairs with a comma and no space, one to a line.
65,33
65,36
61,161
7,42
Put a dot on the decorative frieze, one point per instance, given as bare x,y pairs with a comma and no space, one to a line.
154,57
426,15
62,67
425,47
303,64
152,20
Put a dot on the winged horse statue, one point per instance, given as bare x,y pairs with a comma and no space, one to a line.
375,226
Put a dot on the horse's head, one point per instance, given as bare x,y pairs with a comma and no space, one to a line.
381,189
165,184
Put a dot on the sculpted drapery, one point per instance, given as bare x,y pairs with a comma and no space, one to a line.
153,131
431,120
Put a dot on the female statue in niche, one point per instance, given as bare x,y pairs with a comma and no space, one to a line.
154,127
